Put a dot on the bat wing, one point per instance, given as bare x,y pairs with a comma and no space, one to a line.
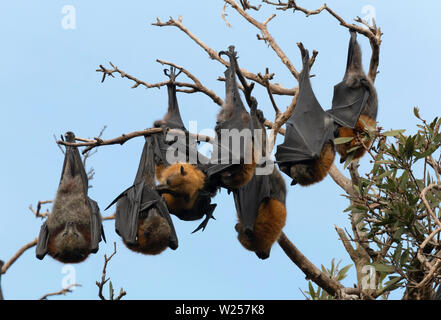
96,226
73,159
174,119
308,128
348,102
151,198
127,212
42,242
248,199
179,149
222,157
140,197
149,195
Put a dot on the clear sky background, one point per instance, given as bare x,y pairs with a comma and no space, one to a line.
48,86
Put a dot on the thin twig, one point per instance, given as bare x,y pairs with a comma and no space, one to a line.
37,212
372,32
61,292
17,255
101,284
275,89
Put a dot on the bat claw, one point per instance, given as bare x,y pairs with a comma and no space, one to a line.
209,215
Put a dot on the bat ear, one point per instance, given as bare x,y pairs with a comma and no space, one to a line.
183,172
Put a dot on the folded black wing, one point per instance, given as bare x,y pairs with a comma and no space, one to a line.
42,242
173,119
348,102
140,197
96,227
308,128
249,198
73,159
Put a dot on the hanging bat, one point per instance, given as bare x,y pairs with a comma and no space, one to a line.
142,218
260,204
183,185
73,230
308,151
1,266
173,120
355,103
261,212
233,168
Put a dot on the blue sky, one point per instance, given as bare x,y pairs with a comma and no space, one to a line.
49,86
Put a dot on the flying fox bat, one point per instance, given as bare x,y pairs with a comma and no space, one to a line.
142,218
184,148
73,230
307,152
188,196
355,102
261,211
260,204
233,168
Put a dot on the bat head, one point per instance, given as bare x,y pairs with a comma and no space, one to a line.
153,233
181,180
70,245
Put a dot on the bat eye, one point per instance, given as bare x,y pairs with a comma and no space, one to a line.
183,171
168,182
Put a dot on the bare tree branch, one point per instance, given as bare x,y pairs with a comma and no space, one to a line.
373,33
14,258
61,292
37,212
125,137
101,284
312,273
275,89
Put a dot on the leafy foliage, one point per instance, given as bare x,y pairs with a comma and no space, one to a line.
390,205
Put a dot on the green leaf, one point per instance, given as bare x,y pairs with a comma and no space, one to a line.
311,290
416,112
403,180
343,140
397,253
383,268
349,160
343,272
393,133
404,257
111,292
392,284
353,149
